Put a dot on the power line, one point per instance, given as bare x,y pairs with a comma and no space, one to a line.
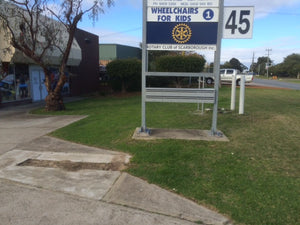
121,32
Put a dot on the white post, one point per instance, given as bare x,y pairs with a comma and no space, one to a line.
242,95
233,92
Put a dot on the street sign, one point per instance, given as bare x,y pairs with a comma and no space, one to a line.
182,14
238,22
182,25
189,25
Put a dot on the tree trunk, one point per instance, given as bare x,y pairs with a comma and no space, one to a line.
54,102
54,99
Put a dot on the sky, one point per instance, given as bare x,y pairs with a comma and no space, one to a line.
276,27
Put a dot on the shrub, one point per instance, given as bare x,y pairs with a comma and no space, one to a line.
179,63
125,74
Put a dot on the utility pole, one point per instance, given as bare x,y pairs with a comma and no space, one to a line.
268,61
252,65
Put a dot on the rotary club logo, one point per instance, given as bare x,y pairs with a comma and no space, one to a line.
181,33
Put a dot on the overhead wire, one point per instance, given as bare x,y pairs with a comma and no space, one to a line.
121,32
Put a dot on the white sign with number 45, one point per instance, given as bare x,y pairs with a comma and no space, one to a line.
238,22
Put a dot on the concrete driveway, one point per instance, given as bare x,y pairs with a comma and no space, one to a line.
36,195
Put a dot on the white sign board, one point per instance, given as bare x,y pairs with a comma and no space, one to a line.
190,14
184,3
181,47
238,22
182,25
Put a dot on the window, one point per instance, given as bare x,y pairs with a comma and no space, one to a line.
7,83
15,83
22,81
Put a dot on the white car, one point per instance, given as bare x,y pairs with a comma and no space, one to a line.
227,74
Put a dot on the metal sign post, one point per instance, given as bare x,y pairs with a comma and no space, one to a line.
144,67
189,25
181,25
217,68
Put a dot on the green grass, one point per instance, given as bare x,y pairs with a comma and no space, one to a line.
254,178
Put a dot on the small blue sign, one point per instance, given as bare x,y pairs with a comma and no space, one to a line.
208,14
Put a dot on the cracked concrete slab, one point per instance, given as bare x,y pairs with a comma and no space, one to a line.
183,134
51,144
16,129
134,192
25,205
109,186
85,183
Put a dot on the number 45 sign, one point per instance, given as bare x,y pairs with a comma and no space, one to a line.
238,22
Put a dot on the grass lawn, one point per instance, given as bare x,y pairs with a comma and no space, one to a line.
254,178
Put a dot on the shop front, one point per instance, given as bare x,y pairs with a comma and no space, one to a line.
15,83
20,80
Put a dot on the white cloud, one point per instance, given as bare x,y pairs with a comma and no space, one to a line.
244,55
281,48
263,7
266,5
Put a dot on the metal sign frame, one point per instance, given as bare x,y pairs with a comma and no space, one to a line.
204,96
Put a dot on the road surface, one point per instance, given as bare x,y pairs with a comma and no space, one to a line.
275,83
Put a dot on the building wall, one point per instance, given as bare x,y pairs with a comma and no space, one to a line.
126,52
85,77
109,52
82,79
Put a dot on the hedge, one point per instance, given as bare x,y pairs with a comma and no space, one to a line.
125,74
177,63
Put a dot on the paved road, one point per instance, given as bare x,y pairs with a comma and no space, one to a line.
276,83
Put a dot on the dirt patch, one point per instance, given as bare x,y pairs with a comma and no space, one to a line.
74,166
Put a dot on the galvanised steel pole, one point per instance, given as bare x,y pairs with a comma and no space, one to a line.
144,67
217,67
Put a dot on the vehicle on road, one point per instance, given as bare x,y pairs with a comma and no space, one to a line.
227,74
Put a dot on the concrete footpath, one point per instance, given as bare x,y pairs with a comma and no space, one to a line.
68,189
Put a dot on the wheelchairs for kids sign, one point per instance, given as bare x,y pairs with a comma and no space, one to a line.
182,25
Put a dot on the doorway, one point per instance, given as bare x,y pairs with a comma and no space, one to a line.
39,91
